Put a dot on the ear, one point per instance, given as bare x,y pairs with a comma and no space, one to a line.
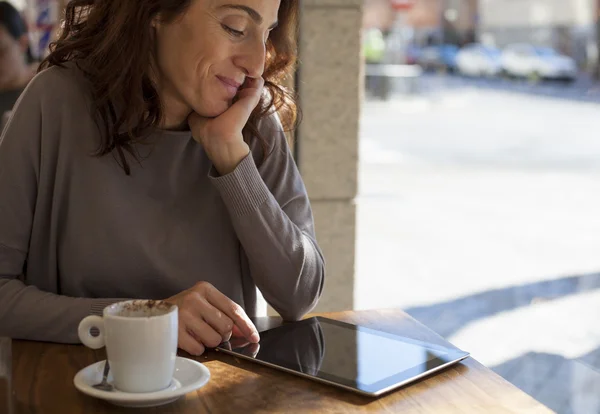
156,22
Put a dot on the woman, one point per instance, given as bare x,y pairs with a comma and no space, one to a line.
146,161
15,72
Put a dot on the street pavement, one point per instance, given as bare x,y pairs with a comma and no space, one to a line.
583,89
479,213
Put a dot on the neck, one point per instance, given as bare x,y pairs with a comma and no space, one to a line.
174,120
175,111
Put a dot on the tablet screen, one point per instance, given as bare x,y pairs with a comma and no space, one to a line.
352,356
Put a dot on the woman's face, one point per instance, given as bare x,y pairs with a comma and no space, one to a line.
206,54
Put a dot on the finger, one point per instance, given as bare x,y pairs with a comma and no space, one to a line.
188,343
236,333
247,99
251,92
215,318
240,342
238,114
196,307
202,331
254,85
234,311
252,350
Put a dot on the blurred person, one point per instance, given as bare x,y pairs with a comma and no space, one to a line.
148,160
15,71
374,48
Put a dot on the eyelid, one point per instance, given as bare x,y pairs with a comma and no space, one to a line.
232,30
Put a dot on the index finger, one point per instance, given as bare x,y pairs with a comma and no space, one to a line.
234,311
247,99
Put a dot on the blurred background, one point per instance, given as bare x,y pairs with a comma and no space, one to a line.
479,182
475,148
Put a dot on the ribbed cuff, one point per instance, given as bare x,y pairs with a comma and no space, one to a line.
243,190
98,305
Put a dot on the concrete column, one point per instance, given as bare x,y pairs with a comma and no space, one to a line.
329,84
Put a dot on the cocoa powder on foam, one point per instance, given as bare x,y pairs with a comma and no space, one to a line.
153,307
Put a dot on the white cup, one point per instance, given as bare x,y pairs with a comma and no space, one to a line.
141,343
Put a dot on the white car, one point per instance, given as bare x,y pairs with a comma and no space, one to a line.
527,61
478,60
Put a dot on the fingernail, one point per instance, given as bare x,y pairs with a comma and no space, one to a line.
254,337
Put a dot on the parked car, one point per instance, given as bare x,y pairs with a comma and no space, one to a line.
438,57
527,61
413,54
479,60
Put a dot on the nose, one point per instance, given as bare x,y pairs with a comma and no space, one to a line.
252,59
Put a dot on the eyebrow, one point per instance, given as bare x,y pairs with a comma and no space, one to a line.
254,15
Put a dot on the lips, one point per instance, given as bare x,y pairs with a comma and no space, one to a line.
231,85
230,81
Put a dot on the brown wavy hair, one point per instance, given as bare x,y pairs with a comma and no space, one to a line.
112,42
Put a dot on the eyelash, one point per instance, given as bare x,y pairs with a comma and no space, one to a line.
233,32
238,33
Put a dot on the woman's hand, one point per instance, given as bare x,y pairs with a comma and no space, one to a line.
222,137
243,346
207,318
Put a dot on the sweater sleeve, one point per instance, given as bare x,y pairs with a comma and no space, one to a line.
26,311
272,217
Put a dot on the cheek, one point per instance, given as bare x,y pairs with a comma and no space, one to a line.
189,63
202,63
166,55
175,52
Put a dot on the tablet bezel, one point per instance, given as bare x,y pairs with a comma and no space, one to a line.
451,356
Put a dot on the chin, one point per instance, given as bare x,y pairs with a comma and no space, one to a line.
213,109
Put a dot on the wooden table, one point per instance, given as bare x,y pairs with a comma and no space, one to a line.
42,382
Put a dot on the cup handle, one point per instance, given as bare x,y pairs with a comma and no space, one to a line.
85,335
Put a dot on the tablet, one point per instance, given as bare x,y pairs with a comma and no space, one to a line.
356,358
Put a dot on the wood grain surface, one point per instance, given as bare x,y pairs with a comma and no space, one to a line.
5,376
42,383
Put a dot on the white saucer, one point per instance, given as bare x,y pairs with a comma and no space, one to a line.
189,376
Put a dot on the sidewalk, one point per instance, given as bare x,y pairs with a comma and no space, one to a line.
489,232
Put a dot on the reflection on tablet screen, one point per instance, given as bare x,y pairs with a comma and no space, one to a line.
346,354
